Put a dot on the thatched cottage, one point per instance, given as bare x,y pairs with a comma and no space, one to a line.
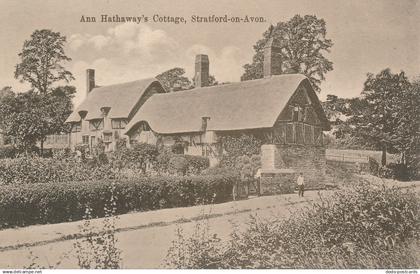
106,110
283,110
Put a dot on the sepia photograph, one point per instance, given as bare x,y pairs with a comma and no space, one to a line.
198,134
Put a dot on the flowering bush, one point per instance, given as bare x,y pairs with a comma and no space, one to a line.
41,203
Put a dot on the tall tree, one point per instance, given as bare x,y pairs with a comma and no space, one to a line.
388,114
212,81
41,65
174,80
41,61
303,41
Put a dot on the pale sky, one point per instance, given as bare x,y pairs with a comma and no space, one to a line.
368,36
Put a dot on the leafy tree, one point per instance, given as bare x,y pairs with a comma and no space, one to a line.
30,116
5,91
303,41
212,81
41,66
21,119
174,79
41,61
407,140
339,112
59,106
387,115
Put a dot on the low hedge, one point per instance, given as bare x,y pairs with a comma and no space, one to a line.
41,203
7,152
32,170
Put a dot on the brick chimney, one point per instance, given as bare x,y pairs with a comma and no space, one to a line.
201,77
204,121
272,58
90,80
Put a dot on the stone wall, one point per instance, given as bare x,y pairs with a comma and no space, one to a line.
282,182
308,159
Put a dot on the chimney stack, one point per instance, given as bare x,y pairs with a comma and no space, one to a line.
90,80
201,77
272,58
204,121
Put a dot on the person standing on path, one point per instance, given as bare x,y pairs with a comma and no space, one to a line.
257,177
301,184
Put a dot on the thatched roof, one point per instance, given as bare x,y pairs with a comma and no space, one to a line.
237,106
120,98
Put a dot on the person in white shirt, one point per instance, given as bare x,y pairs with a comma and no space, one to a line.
301,184
257,177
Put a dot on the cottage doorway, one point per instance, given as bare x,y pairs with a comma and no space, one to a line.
92,142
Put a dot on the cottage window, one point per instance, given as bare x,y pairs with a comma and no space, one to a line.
85,139
299,133
118,123
290,134
92,141
96,124
108,137
178,148
76,127
309,135
298,114
145,127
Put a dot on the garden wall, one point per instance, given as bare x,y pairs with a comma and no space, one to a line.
308,159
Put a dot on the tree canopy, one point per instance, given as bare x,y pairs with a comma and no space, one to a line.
29,117
386,115
41,61
175,80
304,43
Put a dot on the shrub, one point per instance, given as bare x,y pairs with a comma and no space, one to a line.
7,152
178,165
364,227
41,203
394,171
135,157
217,170
236,146
248,166
373,166
98,249
196,164
33,170
168,162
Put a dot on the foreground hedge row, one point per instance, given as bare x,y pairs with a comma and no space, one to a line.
365,226
41,203
29,170
32,170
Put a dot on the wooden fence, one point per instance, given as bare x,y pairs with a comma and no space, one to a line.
57,141
357,156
